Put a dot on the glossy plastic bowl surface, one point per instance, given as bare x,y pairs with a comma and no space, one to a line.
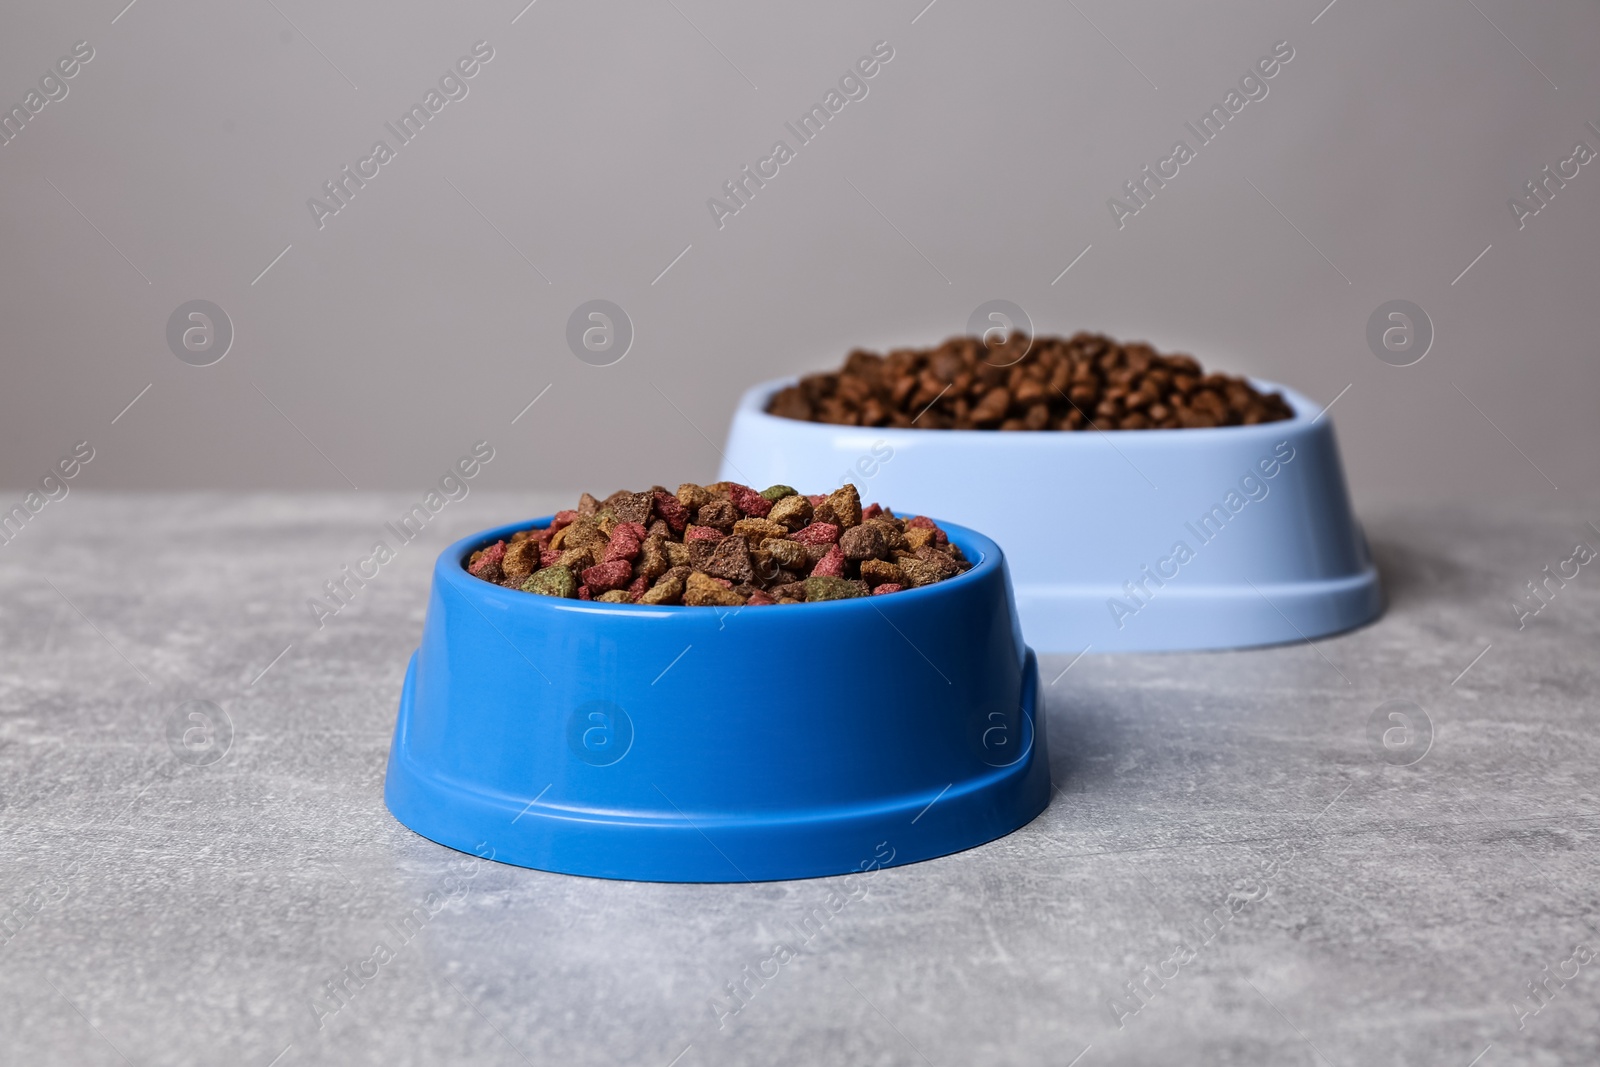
688,744
1127,540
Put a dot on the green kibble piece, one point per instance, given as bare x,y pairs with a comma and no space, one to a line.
824,587
553,581
775,493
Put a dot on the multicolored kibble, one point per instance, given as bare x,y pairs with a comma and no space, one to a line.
721,545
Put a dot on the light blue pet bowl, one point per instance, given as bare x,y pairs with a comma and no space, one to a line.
697,744
1126,540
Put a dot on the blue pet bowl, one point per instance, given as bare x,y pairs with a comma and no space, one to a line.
1092,523
697,744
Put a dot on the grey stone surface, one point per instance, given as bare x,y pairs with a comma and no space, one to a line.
1370,913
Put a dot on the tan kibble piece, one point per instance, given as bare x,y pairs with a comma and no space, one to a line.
702,590
757,530
521,559
792,512
845,502
576,559
668,590
788,554
918,536
877,572
692,496
584,532
941,561
653,560
918,572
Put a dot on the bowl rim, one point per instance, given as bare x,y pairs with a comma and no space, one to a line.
450,567
753,403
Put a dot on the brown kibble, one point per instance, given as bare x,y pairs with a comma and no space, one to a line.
862,542
992,407
634,507
731,560
1087,381
720,514
701,550
692,496
918,572
940,560
918,536
521,559
879,572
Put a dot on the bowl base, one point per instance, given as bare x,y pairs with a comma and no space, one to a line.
543,832
1066,619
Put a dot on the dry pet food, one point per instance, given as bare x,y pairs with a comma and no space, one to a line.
721,545
1088,381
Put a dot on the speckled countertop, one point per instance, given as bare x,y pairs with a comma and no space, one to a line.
1229,832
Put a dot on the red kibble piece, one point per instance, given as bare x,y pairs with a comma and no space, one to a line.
493,554
721,581
818,533
758,599
703,533
887,587
831,565
584,594
604,577
548,557
639,587
817,499
562,518
940,537
673,513
625,543
871,511
921,522
748,501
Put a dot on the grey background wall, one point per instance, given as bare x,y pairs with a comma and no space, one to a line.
428,312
